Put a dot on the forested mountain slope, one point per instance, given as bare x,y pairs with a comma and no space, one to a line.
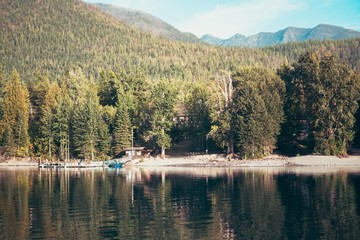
146,22
56,35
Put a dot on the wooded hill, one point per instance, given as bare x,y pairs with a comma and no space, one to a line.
146,22
56,35
77,81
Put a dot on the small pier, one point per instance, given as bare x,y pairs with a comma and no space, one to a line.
58,165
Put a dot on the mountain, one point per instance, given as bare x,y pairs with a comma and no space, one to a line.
212,40
290,34
54,36
146,22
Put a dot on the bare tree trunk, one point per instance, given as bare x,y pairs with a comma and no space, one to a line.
162,152
230,146
49,149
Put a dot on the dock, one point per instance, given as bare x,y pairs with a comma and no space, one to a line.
58,165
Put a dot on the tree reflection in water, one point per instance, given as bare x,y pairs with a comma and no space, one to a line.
179,203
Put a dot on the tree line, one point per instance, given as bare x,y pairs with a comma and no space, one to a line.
303,108
57,35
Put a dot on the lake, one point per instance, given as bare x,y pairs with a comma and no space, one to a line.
180,203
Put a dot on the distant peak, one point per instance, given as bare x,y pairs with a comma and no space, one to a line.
238,35
289,34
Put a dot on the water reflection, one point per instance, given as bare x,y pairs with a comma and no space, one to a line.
181,203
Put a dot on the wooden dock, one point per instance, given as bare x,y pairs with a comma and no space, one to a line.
59,165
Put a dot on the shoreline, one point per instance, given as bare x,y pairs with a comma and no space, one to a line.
214,160
271,161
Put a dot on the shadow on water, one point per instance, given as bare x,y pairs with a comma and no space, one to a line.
180,203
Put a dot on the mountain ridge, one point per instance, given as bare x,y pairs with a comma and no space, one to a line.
289,34
146,22
152,24
54,36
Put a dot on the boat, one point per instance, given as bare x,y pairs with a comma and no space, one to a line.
115,165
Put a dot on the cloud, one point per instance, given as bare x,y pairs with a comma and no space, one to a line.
246,18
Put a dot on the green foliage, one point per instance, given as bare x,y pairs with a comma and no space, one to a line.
122,128
47,134
257,111
63,112
2,90
85,126
15,117
77,117
197,108
38,90
323,95
222,130
108,88
104,137
54,36
161,114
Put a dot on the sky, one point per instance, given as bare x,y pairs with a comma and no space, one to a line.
227,17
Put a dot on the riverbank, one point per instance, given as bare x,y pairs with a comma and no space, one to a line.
271,161
214,160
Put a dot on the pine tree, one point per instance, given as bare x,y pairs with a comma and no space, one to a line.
47,134
122,128
257,111
63,113
85,124
338,91
198,110
15,119
325,108
222,130
74,91
38,90
2,91
161,115
108,87
104,138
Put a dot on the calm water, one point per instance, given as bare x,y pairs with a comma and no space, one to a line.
179,204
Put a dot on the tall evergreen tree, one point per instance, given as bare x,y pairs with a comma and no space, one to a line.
47,135
74,90
327,92
108,87
222,129
2,91
15,118
85,124
38,90
257,111
104,138
122,128
198,110
161,114
63,112
338,88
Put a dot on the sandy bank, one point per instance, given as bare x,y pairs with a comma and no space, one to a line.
271,161
214,160
19,163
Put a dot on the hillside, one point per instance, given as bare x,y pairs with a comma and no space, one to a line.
290,34
56,35
146,22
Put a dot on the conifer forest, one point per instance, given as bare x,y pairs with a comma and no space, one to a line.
76,83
